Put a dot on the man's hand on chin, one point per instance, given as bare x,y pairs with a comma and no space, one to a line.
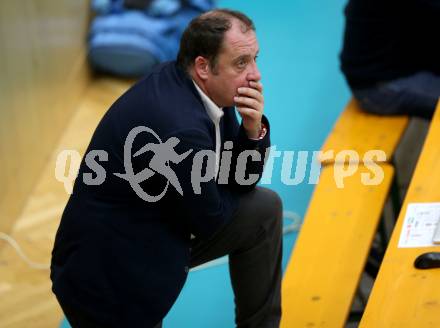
250,104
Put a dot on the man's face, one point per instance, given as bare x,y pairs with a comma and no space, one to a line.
236,66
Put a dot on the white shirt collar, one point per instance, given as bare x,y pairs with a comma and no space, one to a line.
215,113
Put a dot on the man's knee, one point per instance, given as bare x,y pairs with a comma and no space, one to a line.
271,203
273,215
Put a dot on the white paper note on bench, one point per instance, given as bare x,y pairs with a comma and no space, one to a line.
419,225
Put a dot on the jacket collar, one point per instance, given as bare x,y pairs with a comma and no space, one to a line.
185,79
215,113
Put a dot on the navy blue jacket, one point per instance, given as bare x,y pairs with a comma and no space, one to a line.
124,260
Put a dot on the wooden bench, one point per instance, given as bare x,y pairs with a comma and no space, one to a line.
403,296
331,250
361,132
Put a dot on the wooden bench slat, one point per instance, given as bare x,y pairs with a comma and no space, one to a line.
402,295
330,253
361,131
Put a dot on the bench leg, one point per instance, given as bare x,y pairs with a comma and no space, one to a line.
383,234
396,200
355,316
373,262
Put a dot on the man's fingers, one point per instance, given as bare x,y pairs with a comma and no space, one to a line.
252,93
248,102
249,112
256,85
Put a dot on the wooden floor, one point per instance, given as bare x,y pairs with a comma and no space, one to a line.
26,299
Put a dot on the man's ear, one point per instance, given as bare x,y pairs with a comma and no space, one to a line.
201,67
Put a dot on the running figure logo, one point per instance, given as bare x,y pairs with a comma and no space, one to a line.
164,153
